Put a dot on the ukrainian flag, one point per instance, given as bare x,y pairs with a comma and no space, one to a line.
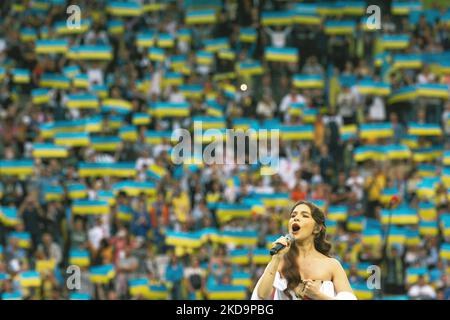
92,52
397,236
156,172
72,139
40,96
106,195
308,81
446,158
28,34
141,118
296,109
201,17
309,115
184,35
226,292
204,57
191,90
355,224
426,170
405,7
116,121
241,279
71,71
427,211
138,287
281,54
370,87
1,190
340,27
226,212
61,27
371,236
376,130
102,274
48,150
387,195
215,45
412,237
90,207
157,54
122,169
128,133
256,204
381,58
8,216
135,188
150,7
362,292
77,191
427,188
337,213
425,129
124,213
16,167
250,68
277,18
105,143
411,141
216,110
297,132
427,154
348,132
410,61
82,101
239,238
124,9
21,75
94,169
261,256
51,46
397,152
444,252
2,73
177,62
170,109
165,41
173,79
393,42
23,238
28,279
446,177
55,81
116,27
428,228
81,81
118,105
433,90
321,204
271,200
400,216
209,234
79,257
240,256
307,19
412,274
230,91
157,292
183,239
145,39
157,137
247,35
100,90
210,122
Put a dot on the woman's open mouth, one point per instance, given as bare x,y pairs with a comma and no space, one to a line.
295,227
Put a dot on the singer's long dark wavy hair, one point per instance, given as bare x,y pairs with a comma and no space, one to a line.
290,267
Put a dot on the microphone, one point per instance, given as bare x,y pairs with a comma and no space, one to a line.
289,237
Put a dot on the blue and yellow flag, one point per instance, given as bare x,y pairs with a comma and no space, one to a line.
82,101
261,256
23,238
371,236
226,211
135,188
444,251
118,105
170,109
427,154
308,81
91,52
173,79
405,7
371,87
201,17
51,46
429,228
204,58
138,287
395,42
401,216
53,193
72,139
77,191
145,39
226,292
61,27
412,237
28,34
16,167
192,90
93,207
337,213
426,170
249,68
413,273
102,274
105,143
81,81
340,27
157,292
396,236
239,238
427,211
376,130
183,239
433,90
116,27
184,34
242,279
210,122
402,95
9,217
125,213
165,40
297,132
281,54
271,18
388,193
28,279
362,292
79,257
21,76
157,137
310,19
410,61
426,189
55,81
124,9
240,256
40,96
247,35
107,195
354,224
397,152
100,90
215,45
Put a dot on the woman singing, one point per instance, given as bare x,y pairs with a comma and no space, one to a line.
303,269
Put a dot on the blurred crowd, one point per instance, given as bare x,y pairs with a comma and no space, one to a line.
321,169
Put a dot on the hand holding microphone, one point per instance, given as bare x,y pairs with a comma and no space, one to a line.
281,245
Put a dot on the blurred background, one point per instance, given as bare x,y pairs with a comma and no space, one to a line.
86,116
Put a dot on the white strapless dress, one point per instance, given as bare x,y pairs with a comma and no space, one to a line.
280,284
